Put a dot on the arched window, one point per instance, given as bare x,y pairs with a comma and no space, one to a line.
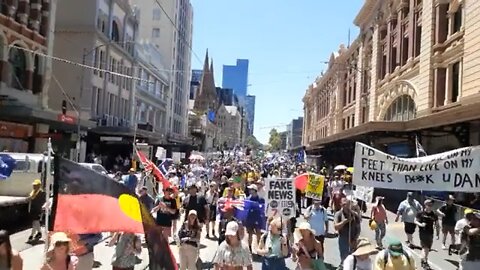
115,32
402,109
18,64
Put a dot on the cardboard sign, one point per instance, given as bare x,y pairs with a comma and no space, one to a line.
280,197
315,186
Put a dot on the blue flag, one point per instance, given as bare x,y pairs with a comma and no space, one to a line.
7,165
163,167
183,181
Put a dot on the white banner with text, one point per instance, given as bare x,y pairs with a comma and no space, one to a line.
457,170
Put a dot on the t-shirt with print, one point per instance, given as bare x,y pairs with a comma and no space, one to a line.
429,218
164,218
450,212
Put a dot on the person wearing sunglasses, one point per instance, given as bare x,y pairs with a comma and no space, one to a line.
9,259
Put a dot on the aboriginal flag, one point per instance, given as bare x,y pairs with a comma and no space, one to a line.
88,202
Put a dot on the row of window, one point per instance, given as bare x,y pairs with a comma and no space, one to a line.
151,84
148,114
112,104
114,65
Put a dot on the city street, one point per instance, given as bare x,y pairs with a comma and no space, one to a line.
439,259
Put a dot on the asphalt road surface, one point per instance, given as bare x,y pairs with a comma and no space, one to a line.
439,259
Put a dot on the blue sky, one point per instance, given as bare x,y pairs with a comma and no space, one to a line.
286,42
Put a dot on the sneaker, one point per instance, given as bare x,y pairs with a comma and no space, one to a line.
30,238
38,236
444,247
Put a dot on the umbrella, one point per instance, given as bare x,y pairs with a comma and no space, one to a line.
196,157
340,167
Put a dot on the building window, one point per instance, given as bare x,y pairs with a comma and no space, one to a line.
402,108
155,32
457,20
102,63
455,82
442,23
115,32
157,13
96,100
18,64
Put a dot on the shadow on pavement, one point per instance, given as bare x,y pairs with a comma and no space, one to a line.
454,263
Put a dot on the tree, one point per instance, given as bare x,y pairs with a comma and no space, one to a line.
253,143
275,140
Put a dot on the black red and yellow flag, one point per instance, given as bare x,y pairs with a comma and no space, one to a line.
88,202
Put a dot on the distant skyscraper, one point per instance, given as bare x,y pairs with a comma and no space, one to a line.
195,82
226,96
250,113
236,78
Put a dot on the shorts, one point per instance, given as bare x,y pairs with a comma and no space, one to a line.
213,213
426,240
448,229
409,227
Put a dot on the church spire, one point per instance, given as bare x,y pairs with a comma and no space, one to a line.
211,66
205,64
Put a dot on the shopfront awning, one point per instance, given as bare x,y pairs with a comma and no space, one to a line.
455,115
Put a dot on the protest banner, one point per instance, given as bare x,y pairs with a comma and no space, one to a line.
363,193
280,197
315,186
456,170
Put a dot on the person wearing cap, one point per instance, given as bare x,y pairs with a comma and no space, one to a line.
131,180
233,253
194,201
462,223
408,210
166,209
317,216
360,258
394,257
36,200
253,222
189,235
58,254
427,221
448,212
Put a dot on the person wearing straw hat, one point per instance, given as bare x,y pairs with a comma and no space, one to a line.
360,258
36,201
307,251
58,253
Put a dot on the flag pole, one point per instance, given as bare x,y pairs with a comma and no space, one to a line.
47,192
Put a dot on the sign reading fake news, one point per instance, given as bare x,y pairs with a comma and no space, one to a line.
457,170
280,197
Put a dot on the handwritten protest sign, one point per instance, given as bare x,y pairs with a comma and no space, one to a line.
280,197
456,170
315,186
363,193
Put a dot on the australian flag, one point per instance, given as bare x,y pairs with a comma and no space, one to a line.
250,213
165,165
420,151
7,165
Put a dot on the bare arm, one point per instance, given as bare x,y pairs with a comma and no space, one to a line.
17,262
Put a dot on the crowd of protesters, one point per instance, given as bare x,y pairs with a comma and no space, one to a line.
196,203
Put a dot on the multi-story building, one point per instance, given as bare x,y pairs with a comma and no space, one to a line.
411,72
283,140
26,121
250,113
151,93
226,96
182,68
294,134
229,122
168,25
236,77
195,83
104,39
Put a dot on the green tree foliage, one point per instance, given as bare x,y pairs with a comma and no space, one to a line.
253,143
275,140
